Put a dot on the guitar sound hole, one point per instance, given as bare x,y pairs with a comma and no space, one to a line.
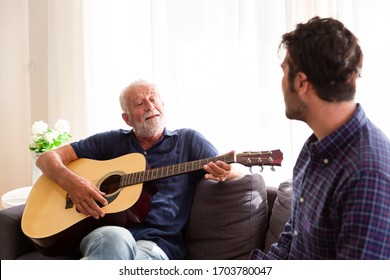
110,184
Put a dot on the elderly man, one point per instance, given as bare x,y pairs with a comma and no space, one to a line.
159,236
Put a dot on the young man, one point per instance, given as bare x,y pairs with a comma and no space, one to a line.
159,236
341,180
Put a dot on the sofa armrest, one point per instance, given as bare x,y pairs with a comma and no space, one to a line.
14,242
280,212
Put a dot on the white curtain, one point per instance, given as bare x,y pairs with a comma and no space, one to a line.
65,65
216,65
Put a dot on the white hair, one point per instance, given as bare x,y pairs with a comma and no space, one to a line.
131,87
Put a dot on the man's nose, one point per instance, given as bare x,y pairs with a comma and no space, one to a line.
149,105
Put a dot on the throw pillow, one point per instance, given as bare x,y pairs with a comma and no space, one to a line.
228,219
280,214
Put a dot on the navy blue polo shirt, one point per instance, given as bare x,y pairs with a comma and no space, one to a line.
172,203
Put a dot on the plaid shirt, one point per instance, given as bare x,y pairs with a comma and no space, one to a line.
341,201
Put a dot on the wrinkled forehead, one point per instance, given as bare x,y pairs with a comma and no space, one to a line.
142,91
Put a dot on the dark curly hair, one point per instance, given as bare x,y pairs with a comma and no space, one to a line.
328,53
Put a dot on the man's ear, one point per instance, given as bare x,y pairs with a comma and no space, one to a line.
126,118
301,83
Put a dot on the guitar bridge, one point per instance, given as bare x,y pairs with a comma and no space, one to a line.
69,202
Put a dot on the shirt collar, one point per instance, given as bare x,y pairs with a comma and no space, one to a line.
340,137
169,132
166,134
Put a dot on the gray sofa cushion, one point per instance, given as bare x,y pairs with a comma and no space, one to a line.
280,213
11,235
15,245
228,219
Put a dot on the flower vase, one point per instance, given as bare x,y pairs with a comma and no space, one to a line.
36,172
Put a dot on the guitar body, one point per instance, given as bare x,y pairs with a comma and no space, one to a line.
54,224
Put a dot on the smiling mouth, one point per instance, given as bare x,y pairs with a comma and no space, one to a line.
151,117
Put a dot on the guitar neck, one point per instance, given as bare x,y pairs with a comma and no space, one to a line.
172,170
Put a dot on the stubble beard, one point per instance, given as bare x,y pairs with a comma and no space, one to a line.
295,108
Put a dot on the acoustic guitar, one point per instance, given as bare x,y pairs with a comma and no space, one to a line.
55,226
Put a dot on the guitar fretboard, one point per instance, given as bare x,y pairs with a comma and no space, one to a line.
172,170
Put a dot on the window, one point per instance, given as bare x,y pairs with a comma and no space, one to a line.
217,67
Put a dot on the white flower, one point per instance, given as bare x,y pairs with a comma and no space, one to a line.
51,136
39,127
62,126
44,139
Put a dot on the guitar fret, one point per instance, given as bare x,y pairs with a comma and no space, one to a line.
154,174
137,176
131,178
161,172
147,175
157,172
124,180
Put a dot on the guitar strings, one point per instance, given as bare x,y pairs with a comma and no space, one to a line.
113,182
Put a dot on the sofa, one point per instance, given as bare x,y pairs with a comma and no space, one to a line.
227,221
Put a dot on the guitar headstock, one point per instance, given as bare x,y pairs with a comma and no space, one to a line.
271,158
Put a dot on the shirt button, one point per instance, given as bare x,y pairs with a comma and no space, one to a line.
145,153
301,200
326,161
295,232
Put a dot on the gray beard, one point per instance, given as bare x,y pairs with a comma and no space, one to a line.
150,128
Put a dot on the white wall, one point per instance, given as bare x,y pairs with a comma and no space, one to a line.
15,162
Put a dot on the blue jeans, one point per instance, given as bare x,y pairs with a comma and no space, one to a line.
117,243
